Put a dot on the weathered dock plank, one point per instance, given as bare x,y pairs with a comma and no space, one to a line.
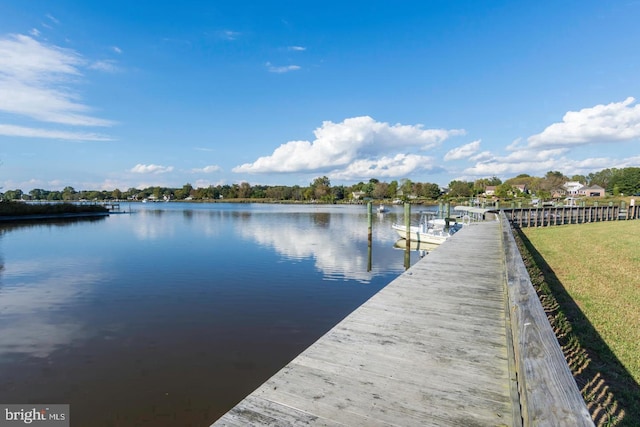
429,349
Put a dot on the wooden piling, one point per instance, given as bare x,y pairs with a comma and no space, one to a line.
407,224
369,234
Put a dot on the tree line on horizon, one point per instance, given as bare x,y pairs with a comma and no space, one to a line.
625,181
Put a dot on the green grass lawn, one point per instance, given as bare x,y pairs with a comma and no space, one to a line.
593,271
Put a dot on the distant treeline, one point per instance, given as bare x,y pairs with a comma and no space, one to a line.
615,181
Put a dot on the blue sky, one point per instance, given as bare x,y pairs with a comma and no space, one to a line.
120,94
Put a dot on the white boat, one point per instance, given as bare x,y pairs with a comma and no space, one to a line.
382,209
429,229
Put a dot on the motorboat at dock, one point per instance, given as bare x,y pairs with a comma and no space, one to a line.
428,230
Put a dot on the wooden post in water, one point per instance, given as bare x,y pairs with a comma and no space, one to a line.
369,233
407,221
370,217
407,224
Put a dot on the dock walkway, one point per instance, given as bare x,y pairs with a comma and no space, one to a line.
431,348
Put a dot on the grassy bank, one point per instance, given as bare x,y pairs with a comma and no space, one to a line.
9,208
588,279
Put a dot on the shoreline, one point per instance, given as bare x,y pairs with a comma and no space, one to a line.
70,215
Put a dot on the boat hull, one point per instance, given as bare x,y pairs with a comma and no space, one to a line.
418,235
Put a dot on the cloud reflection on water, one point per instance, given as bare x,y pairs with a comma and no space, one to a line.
329,242
33,298
167,223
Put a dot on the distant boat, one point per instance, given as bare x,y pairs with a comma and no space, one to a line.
429,229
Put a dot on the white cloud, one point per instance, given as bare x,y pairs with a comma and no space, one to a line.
35,80
496,168
154,169
11,130
108,185
463,151
204,183
207,169
338,144
554,148
297,48
34,32
25,185
52,18
386,167
106,65
116,49
522,161
229,35
516,144
481,157
24,57
51,105
283,69
538,162
617,121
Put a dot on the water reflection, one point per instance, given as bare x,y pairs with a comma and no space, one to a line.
33,302
201,302
421,247
340,254
321,219
153,225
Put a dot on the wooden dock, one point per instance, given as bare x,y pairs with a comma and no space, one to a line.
444,344
429,349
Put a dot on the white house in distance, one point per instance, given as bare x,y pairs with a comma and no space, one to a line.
574,188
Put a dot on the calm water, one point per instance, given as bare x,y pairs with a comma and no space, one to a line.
171,315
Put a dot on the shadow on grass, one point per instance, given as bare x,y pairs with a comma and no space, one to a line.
610,392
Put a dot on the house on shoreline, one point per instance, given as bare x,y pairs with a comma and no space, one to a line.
575,189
